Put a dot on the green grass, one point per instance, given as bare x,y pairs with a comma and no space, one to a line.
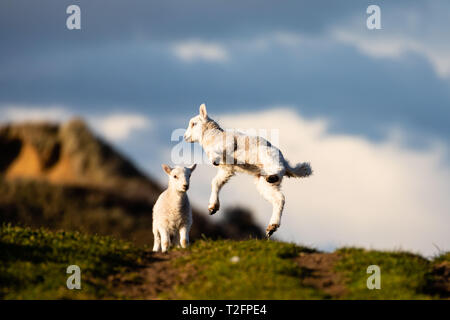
75,208
34,262
265,270
403,275
33,265
443,257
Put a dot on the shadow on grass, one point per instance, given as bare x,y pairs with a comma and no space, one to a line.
11,252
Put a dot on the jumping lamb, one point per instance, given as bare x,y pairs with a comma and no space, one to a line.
172,213
234,151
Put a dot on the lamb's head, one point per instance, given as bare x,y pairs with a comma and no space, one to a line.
197,125
179,177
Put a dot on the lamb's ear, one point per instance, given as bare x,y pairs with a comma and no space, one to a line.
166,168
192,168
202,111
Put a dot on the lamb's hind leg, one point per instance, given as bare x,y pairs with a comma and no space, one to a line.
176,239
223,175
271,193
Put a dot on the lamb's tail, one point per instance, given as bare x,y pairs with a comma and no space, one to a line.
301,170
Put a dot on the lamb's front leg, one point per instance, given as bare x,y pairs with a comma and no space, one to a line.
272,194
156,240
215,157
184,236
222,176
165,240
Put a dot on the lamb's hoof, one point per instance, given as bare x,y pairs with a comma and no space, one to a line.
213,208
272,179
271,229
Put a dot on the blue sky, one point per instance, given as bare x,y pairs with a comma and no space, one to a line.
124,58
139,69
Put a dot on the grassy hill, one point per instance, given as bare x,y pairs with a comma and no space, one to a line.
34,261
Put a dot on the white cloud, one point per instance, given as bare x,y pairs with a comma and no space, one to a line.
362,193
394,46
21,113
116,127
119,126
192,50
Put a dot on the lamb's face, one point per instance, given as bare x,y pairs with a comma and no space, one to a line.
194,130
179,177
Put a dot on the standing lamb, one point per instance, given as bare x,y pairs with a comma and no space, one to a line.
233,151
172,213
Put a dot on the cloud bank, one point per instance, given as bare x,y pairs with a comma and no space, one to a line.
192,50
115,126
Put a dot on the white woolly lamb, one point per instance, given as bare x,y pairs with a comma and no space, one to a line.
172,213
232,152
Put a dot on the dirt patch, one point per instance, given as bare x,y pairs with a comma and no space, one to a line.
158,275
318,272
